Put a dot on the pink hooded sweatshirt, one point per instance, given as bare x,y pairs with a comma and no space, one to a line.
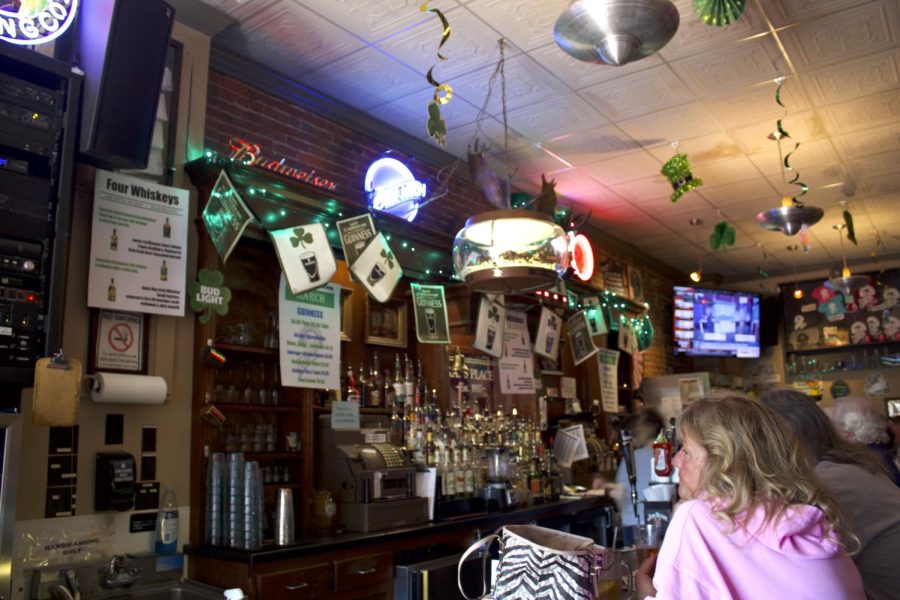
791,558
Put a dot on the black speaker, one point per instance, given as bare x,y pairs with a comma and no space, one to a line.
770,312
122,47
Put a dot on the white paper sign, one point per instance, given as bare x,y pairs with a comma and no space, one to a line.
627,338
608,363
567,387
491,323
548,334
309,331
305,255
344,415
594,314
378,269
138,245
580,337
516,365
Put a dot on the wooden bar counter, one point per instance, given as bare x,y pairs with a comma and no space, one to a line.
361,566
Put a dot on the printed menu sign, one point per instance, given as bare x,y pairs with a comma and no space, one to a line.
138,245
516,365
608,363
309,330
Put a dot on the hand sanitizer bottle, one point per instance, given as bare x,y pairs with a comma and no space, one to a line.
167,524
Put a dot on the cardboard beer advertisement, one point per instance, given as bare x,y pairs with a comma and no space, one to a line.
355,234
226,216
491,323
377,269
594,314
546,343
305,256
516,366
431,314
580,338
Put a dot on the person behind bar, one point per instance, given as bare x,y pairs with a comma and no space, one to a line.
857,420
756,522
858,478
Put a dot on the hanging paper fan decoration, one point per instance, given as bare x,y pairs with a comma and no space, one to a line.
719,12
678,171
722,236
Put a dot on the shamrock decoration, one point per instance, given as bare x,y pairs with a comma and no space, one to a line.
389,257
848,221
722,236
437,127
494,314
551,323
208,295
301,237
678,172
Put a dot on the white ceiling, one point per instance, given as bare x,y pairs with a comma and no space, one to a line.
603,132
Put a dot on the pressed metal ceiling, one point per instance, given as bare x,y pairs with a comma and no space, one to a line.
603,132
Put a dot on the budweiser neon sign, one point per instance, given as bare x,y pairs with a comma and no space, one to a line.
35,21
247,153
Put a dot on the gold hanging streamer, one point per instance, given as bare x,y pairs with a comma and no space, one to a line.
443,93
782,133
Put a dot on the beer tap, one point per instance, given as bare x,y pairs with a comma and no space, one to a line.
625,441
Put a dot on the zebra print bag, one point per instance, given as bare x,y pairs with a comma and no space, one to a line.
537,563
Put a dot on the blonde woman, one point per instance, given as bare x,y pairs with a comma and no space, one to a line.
756,522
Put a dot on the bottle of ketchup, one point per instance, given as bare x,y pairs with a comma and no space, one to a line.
662,456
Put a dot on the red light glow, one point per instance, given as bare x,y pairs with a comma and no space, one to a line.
582,257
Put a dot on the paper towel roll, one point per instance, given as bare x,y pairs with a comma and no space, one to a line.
128,389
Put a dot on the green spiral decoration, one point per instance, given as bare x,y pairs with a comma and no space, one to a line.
719,12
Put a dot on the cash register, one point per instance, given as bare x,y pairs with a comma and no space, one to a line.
373,481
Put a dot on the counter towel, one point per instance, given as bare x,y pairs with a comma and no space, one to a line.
56,391
537,562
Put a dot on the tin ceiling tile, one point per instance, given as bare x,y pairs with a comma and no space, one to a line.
587,146
696,37
683,122
644,92
790,12
372,21
855,78
577,74
554,116
525,23
877,109
865,142
756,103
732,66
756,189
637,165
644,191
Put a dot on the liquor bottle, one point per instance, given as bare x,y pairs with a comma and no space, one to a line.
430,448
167,229
408,384
459,471
362,386
351,394
167,524
468,471
448,476
375,385
111,291
399,390
388,391
534,482
396,427
164,272
275,393
114,240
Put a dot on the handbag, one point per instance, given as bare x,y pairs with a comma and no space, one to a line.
540,563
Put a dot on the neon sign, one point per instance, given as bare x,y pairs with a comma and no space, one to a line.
35,21
247,153
392,188
582,257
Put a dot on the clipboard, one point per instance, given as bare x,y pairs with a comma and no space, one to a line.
57,387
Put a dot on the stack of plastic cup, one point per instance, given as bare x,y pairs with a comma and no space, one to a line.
215,491
253,516
234,500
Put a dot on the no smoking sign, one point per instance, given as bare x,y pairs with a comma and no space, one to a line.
119,341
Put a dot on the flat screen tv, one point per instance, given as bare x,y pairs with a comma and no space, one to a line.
716,322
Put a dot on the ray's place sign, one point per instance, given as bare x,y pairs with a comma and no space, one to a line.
29,22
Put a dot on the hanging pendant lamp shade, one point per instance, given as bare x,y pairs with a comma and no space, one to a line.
789,219
615,32
844,281
510,251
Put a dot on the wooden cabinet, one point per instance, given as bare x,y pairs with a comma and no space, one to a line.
296,583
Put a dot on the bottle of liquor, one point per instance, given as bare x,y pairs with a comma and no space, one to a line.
388,391
399,390
111,290
167,229
114,240
396,427
448,476
375,385
468,470
164,272
352,393
361,386
408,384
430,448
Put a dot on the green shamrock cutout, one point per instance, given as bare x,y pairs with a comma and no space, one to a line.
437,127
389,257
722,236
301,237
494,314
208,295
848,221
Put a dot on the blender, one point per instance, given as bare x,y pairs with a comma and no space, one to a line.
498,490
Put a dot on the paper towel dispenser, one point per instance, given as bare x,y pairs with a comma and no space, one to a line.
114,481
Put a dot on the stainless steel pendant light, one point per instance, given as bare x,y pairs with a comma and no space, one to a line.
615,32
845,281
789,219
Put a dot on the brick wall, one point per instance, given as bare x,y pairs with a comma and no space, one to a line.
343,155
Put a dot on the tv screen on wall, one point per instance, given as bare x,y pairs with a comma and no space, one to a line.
716,322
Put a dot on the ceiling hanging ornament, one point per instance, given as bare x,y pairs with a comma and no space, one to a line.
615,32
792,215
722,236
719,12
443,93
678,171
845,281
508,250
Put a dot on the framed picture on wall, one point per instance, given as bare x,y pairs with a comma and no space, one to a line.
119,341
636,284
386,323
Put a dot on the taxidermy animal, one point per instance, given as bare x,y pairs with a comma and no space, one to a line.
545,201
492,188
